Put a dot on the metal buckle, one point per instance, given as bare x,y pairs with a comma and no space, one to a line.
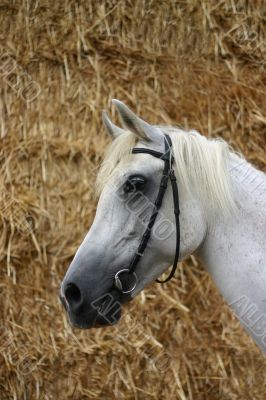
118,282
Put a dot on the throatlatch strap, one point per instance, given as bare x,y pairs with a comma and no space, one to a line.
177,212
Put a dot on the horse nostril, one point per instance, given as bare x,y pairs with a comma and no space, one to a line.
72,294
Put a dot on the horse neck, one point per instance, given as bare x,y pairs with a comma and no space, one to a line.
234,250
248,182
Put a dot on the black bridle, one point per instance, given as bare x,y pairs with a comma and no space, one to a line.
127,277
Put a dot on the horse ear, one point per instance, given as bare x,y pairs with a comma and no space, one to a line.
111,128
135,124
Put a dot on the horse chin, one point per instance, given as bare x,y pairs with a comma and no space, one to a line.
108,319
108,313
98,321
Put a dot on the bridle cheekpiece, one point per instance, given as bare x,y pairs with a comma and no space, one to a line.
128,283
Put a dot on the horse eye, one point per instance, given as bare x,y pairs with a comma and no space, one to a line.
134,183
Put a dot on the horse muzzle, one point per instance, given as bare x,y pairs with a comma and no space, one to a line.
103,311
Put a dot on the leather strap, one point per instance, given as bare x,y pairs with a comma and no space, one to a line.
168,172
177,223
154,153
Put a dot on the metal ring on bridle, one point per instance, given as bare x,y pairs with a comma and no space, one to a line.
118,282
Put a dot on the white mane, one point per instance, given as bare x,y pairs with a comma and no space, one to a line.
201,165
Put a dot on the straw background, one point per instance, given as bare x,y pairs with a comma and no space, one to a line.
199,64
